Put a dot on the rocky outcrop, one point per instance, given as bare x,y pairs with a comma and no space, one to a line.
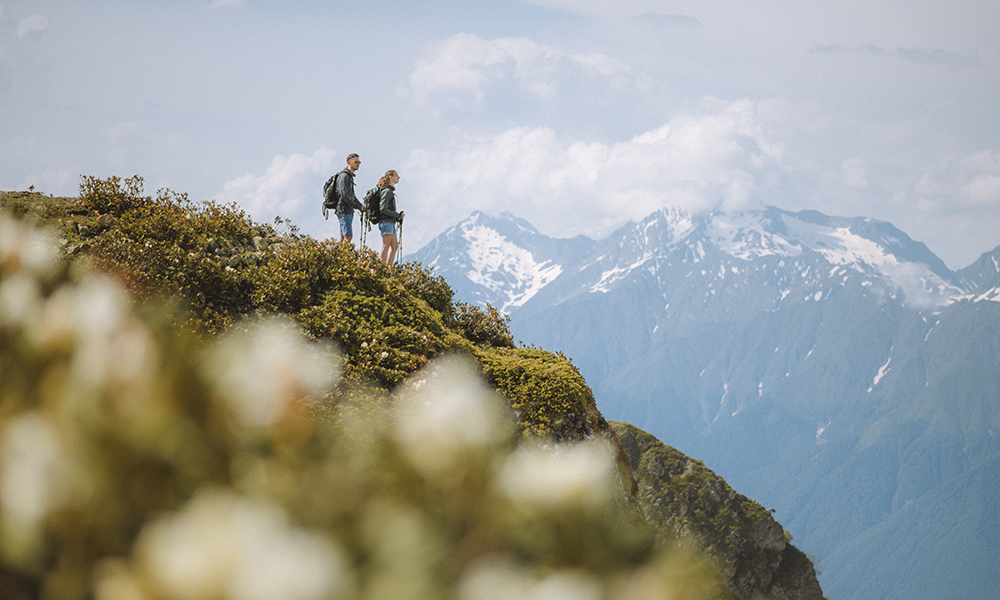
688,504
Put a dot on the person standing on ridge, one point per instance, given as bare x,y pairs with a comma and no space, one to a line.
347,202
388,217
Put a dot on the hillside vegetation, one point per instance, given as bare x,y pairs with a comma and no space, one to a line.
243,412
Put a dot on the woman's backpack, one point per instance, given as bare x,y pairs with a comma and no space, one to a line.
373,205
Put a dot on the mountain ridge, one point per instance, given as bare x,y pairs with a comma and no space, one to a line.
771,343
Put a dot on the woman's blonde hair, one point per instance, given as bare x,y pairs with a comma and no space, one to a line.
385,178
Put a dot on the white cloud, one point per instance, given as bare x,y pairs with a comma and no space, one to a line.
459,69
721,158
921,288
983,189
288,186
32,24
972,179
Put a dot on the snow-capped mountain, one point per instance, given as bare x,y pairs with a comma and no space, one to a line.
501,261
506,262
833,367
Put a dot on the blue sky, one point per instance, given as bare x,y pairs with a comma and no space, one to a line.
577,115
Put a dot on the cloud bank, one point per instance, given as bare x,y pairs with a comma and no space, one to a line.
719,158
287,188
463,70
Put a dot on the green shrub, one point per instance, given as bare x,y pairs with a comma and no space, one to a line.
550,397
433,290
489,327
114,196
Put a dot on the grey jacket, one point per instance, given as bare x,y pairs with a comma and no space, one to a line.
387,204
345,192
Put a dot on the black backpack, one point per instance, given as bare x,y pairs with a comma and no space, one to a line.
373,205
330,199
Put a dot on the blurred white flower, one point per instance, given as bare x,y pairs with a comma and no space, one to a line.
447,412
497,578
31,472
566,586
224,546
494,578
579,475
260,371
94,311
26,249
100,306
19,299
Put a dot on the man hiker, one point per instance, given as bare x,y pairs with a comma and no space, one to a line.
346,200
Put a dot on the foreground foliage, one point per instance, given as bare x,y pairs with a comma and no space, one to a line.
140,460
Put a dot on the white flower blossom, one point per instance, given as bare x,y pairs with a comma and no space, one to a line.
259,371
93,313
580,475
497,578
32,471
19,299
224,546
448,412
23,249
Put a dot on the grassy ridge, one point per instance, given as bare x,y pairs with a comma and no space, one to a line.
388,321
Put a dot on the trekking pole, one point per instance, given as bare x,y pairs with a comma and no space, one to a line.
399,256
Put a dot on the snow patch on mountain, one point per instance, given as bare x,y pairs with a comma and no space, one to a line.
609,277
744,236
503,267
990,295
755,234
675,223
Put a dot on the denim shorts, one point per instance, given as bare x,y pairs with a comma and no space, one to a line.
346,224
387,227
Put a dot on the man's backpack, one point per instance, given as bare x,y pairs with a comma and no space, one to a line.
373,205
330,198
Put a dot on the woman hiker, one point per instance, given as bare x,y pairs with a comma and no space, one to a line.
388,217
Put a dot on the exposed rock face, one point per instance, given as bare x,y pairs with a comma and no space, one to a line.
685,502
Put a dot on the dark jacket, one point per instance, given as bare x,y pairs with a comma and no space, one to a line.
347,201
387,204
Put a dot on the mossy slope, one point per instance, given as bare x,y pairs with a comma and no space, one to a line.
685,500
